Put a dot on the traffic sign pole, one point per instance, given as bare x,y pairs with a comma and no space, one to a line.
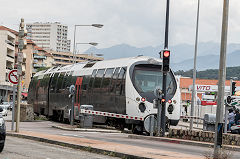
19,71
13,108
12,77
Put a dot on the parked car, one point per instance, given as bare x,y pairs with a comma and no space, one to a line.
4,111
8,105
2,131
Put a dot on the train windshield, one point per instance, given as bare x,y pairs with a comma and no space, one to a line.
146,79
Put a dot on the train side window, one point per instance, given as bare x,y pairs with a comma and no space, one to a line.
98,78
92,79
44,81
64,83
59,83
107,77
34,84
68,80
85,82
113,83
74,79
119,81
54,82
123,83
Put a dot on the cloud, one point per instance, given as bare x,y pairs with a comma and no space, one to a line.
135,22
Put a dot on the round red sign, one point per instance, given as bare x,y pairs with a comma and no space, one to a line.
12,77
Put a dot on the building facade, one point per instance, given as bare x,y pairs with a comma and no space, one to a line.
67,58
7,57
49,36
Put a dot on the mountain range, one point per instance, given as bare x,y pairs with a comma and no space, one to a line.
181,54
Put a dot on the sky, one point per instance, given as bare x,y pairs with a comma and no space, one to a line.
139,23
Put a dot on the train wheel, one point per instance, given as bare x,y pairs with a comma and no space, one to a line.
137,129
120,124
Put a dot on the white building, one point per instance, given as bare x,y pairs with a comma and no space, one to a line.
7,58
50,36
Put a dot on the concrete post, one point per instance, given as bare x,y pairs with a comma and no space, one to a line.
221,82
19,88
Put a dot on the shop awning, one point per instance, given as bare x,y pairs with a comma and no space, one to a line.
25,94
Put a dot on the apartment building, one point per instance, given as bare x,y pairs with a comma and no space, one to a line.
42,59
7,54
49,36
66,58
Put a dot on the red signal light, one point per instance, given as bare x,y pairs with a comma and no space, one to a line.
143,99
163,100
166,53
170,101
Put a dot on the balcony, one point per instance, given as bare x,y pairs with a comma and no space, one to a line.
34,71
39,57
10,59
9,42
35,51
39,65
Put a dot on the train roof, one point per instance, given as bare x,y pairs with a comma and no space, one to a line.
89,66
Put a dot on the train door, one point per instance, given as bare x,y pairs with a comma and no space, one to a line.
112,88
78,90
120,92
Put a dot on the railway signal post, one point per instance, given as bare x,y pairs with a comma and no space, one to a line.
165,70
72,95
158,93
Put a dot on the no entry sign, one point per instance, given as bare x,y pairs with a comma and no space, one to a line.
12,77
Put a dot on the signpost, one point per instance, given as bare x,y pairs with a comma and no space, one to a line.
20,57
72,94
12,77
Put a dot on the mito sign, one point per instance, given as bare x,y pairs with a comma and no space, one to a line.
208,88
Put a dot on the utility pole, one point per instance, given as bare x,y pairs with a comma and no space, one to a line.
163,112
21,35
221,82
194,70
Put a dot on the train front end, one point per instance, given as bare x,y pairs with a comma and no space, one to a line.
144,77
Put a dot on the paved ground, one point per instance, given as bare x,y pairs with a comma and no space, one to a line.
114,142
17,148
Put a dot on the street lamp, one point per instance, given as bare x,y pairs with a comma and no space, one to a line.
74,44
91,43
194,69
97,25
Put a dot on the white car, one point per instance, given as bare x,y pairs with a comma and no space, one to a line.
7,105
5,111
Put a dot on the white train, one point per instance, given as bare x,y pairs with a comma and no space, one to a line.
121,91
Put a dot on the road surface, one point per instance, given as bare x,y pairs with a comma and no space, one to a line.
17,148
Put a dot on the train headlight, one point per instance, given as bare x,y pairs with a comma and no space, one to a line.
142,107
143,99
170,108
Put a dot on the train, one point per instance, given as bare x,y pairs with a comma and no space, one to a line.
121,92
